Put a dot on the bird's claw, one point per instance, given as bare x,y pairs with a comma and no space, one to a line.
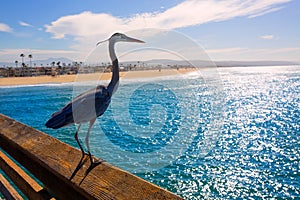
94,163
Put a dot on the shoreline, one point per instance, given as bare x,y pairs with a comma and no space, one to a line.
35,80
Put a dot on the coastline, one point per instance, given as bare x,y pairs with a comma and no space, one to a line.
35,80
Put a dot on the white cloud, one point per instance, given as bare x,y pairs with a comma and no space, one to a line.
285,50
24,24
5,28
255,54
266,12
267,37
87,26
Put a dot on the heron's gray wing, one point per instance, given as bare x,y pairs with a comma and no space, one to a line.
61,118
90,104
82,108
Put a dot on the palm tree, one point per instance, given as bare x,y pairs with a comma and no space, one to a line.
22,55
59,68
30,57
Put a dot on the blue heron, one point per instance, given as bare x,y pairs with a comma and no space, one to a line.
91,104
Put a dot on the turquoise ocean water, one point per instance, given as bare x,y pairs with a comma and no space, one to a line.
237,140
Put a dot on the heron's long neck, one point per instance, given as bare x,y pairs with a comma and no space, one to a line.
114,83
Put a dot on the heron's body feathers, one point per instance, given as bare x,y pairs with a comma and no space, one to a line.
83,108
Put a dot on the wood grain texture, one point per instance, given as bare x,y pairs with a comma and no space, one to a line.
7,190
22,180
53,163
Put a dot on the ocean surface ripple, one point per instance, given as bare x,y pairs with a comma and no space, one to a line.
255,155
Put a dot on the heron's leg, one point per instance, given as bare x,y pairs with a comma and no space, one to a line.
87,139
77,140
81,162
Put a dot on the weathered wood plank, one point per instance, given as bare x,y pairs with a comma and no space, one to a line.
7,190
22,180
53,163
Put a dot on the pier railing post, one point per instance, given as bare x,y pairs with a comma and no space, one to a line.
53,162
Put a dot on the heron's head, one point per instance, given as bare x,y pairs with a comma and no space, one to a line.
120,37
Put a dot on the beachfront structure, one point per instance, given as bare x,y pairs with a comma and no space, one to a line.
79,67
36,71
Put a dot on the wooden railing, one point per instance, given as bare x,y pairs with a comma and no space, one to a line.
53,162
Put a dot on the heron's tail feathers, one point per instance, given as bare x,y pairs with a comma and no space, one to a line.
59,120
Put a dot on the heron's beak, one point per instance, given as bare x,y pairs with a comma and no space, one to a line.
129,39
101,42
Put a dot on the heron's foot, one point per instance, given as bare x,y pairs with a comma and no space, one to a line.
94,163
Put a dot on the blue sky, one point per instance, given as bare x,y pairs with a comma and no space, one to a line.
227,30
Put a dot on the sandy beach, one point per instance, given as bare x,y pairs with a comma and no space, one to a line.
13,81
